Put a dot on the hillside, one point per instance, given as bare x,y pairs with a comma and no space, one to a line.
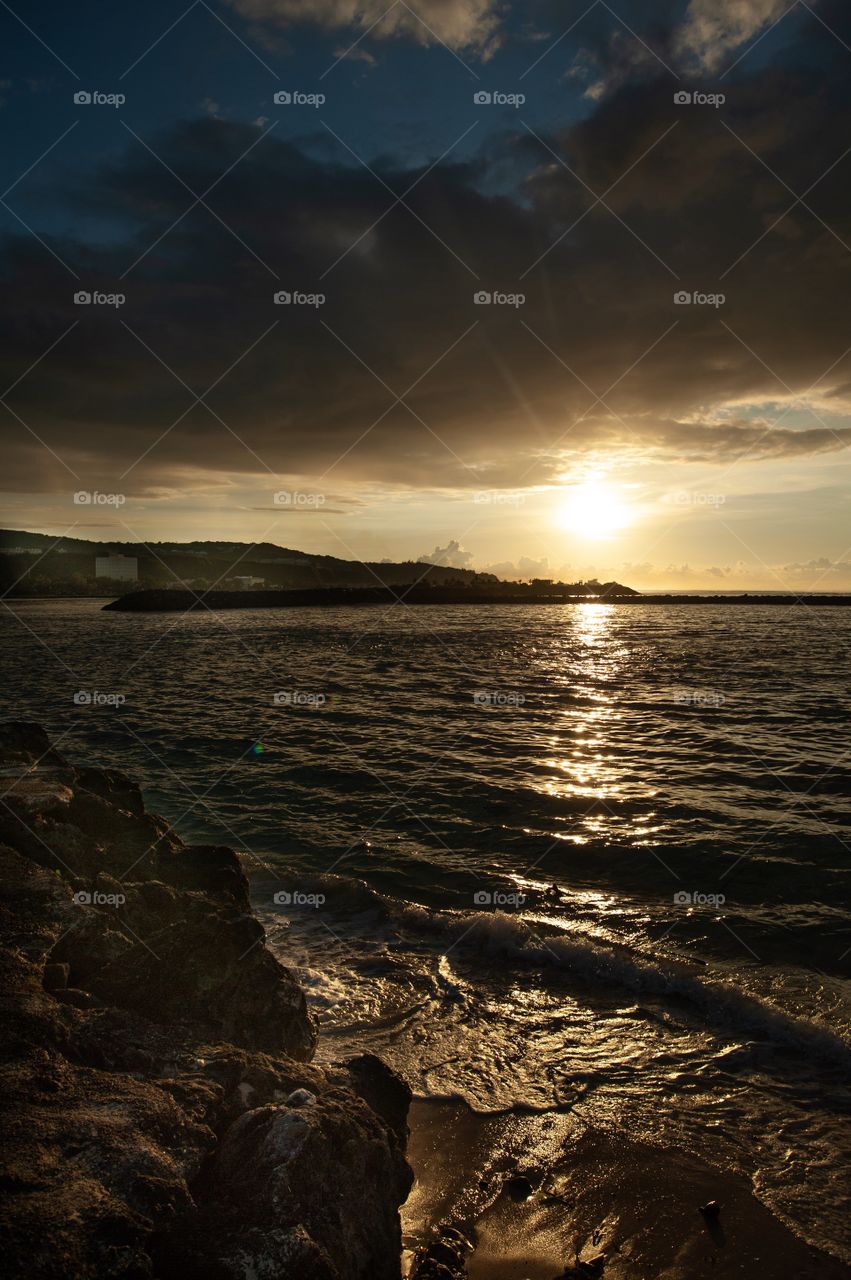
38,564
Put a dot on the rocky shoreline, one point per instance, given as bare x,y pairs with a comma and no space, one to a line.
162,1118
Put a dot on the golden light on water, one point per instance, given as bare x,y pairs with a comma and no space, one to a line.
594,510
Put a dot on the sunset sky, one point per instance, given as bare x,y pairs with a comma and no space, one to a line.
583,421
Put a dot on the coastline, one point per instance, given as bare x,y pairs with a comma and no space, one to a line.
597,1204
167,1120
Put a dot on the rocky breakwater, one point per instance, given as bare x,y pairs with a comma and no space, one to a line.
161,1118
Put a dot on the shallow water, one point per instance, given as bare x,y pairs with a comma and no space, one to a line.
486,820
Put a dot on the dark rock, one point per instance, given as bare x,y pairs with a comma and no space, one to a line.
55,977
77,999
519,1187
430,1269
443,1258
301,1098
382,1090
711,1209
162,1118
589,1269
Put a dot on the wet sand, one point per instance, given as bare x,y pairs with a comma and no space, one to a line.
626,1210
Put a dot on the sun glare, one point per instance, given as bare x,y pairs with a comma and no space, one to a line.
593,510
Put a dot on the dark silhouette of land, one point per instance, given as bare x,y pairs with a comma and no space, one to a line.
177,601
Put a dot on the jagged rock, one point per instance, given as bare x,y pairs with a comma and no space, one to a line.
162,1118
444,1257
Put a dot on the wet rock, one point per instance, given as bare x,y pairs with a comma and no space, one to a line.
445,1257
301,1098
382,1090
519,1187
589,1269
711,1209
162,1118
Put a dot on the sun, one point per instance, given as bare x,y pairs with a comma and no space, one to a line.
593,509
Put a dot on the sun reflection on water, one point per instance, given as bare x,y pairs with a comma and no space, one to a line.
584,766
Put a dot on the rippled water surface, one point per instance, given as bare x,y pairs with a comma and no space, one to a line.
588,856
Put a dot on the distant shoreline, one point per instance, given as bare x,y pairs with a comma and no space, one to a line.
183,601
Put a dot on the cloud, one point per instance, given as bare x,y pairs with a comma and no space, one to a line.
525,567
499,396
459,24
452,556
356,54
714,29
818,574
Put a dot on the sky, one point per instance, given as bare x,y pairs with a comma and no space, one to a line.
545,289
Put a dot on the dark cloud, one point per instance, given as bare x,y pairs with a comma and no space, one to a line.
492,394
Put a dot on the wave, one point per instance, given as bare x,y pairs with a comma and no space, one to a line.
499,935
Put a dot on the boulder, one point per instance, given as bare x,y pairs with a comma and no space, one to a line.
162,1117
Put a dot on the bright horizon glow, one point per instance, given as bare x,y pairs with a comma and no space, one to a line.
593,510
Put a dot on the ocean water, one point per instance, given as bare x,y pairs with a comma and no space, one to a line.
588,857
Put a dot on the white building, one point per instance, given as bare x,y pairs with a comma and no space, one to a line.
125,568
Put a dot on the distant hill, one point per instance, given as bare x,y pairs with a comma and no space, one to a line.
40,564
70,562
